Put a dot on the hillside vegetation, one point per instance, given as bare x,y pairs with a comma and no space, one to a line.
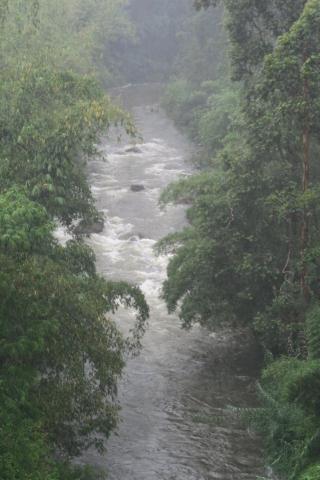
61,356
250,254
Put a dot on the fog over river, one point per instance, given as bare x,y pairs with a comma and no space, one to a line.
180,378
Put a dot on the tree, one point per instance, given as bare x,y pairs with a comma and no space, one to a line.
253,28
60,354
290,88
50,123
58,350
250,253
77,35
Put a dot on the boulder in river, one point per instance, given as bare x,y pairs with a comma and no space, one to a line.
136,238
86,228
133,149
137,188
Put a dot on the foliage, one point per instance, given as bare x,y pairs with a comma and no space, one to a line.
312,473
207,113
23,452
253,28
182,104
313,332
250,254
289,417
267,255
216,255
50,122
80,473
61,354
194,97
202,47
54,326
76,35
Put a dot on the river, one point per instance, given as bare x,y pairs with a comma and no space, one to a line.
175,422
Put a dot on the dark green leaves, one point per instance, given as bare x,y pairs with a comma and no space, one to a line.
50,123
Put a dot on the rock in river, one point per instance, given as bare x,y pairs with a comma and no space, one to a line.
137,188
86,228
133,149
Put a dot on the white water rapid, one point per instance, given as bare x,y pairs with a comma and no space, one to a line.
175,424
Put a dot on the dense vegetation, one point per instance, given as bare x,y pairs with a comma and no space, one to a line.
245,86
250,254
61,355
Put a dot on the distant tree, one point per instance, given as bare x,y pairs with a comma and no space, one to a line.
253,28
77,34
157,24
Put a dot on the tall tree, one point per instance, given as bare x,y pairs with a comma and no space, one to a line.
253,28
290,88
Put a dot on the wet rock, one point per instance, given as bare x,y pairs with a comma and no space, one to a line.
136,238
86,228
133,149
137,188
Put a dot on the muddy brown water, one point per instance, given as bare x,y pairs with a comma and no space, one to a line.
175,397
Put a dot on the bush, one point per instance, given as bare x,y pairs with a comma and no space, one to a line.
290,418
312,473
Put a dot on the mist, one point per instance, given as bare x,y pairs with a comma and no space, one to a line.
159,239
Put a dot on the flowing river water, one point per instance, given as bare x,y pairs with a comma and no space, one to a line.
175,422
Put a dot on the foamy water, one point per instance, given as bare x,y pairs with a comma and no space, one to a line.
179,375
